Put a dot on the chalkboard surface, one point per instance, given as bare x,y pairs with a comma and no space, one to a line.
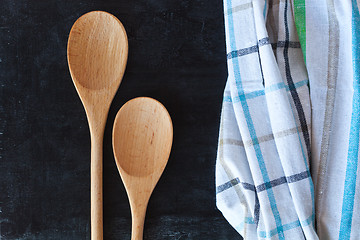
176,55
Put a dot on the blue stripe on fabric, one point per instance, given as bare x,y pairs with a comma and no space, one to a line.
264,12
240,227
273,232
308,221
249,220
251,128
353,151
227,99
269,89
287,227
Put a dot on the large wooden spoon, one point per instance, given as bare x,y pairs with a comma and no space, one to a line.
97,54
142,139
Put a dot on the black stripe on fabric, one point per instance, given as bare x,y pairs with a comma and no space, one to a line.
258,52
233,183
227,185
298,177
294,93
262,42
262,187
271,184
248,186
242,52
281,44
249,50
256,210
291,179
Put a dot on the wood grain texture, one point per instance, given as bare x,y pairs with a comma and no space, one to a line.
142,139
176,55
97,54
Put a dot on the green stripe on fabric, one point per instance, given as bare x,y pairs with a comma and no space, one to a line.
300,22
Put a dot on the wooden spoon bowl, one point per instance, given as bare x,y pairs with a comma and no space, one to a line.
97,51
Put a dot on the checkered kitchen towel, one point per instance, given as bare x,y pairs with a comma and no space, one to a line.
269,130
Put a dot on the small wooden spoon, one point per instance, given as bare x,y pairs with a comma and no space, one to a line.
97,54
142,139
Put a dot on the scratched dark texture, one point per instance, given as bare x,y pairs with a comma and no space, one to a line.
176,55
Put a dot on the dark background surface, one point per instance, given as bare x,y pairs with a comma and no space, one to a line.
176,55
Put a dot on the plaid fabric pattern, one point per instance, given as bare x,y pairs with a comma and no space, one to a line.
263,178
290,124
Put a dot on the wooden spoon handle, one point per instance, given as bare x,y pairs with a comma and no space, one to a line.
138,218
96,188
